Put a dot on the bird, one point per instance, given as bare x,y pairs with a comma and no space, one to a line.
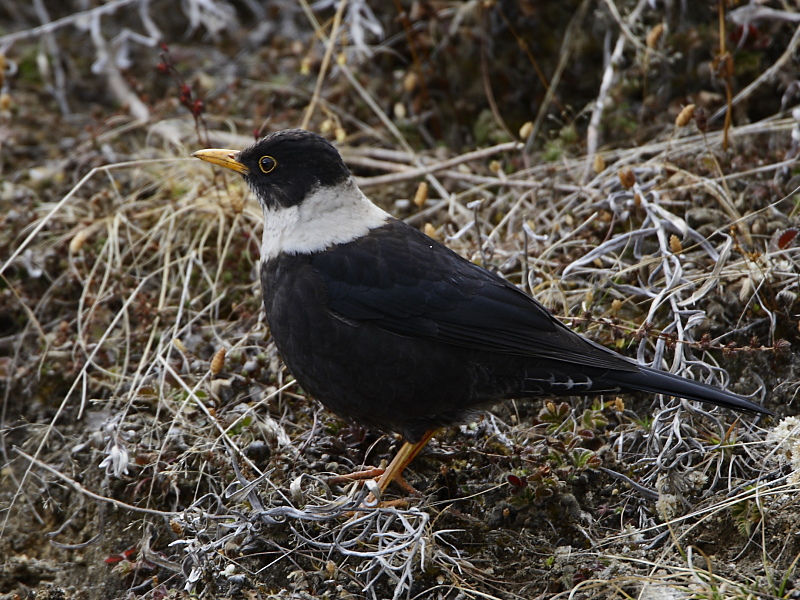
389,328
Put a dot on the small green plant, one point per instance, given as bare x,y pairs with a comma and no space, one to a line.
746,514
563,447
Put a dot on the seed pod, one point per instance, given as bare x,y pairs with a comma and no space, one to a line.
218,361
627,178
654,35
422,194
685,116
675,244
77,242
599,163
410,82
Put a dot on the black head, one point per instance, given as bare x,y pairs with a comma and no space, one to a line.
284,167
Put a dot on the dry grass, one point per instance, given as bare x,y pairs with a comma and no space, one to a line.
218,465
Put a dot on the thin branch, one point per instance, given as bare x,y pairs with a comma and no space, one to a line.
82,490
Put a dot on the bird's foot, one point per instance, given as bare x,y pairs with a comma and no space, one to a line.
377,474
358,476
392,473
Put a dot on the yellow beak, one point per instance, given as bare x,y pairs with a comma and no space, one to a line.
223,158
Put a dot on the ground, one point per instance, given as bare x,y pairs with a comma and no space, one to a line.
154,445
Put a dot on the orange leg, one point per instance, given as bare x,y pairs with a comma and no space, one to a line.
357,476
401,460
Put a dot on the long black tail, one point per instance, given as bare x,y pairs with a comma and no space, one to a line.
661,382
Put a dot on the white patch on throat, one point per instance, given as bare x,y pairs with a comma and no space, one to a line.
328,216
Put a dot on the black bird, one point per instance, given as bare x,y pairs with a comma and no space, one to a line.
390,328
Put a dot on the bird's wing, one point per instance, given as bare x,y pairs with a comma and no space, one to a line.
404,282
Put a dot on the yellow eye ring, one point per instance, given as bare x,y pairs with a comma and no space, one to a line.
267,164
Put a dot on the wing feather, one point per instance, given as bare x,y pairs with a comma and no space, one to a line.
404,282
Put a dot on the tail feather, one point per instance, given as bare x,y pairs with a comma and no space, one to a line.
662,382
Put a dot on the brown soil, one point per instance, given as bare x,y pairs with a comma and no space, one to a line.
126,462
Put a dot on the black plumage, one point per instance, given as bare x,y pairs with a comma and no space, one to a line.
396,331
390,328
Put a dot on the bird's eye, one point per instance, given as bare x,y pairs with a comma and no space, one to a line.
267,164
